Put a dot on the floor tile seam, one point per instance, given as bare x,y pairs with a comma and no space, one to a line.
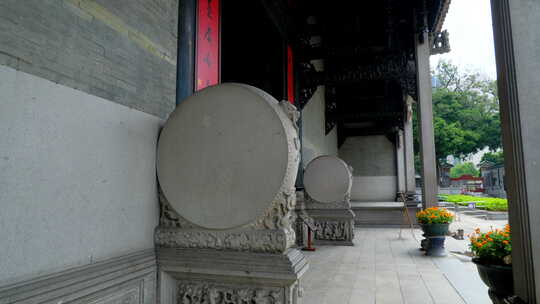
451,284
455,289
377,289
428,290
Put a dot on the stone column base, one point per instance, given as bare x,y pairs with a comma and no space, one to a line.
216,276
333,226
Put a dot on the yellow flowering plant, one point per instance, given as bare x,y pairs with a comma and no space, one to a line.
434,215
492,247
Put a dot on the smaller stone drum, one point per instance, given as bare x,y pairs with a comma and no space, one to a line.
327,179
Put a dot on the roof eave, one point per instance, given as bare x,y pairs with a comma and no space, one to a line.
441,15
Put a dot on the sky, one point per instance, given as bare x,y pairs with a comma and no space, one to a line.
471,37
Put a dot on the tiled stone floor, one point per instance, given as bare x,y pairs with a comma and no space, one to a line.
382,269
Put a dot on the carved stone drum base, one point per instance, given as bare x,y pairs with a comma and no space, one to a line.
209,276
333,226
226,211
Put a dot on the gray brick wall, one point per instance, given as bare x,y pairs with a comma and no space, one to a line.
121,50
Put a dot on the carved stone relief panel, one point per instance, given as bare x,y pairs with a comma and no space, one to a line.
333,230
268,241
191,292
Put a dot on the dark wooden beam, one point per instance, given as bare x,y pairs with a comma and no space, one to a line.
278,13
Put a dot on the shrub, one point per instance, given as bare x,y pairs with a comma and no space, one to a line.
488,203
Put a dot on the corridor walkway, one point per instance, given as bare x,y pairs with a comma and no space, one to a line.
382,269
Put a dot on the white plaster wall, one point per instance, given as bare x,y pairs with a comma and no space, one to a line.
77,177
315,141
373,159
374,188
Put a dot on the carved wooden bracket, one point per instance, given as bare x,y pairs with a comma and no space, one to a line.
330,110
308,80
398,67
440,42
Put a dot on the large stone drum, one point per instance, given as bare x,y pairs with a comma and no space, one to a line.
225,155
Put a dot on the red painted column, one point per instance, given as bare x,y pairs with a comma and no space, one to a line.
290,75
207,64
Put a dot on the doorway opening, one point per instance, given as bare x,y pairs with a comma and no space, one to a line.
252,50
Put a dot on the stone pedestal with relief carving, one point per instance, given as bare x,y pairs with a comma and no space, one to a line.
328,182
227,163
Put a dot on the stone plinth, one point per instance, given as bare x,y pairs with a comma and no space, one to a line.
227,163
203,276
328,182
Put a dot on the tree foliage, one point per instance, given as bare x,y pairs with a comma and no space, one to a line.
495,158
466,113
464,169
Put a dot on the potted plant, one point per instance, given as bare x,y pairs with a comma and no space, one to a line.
492,256
435,222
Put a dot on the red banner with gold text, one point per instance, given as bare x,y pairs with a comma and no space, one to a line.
207,48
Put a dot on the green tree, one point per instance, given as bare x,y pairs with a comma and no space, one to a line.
495,158
463,169
466,113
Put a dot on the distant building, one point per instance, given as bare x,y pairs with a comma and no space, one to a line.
444,175
418,180
493,175
435,82
468,183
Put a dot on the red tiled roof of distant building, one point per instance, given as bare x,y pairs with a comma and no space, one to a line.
467,177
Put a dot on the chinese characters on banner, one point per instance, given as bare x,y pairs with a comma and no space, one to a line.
207,51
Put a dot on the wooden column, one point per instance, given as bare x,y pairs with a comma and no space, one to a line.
425,120
516,25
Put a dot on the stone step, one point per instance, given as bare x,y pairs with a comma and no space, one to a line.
377,205
380,213
474,212
493,215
